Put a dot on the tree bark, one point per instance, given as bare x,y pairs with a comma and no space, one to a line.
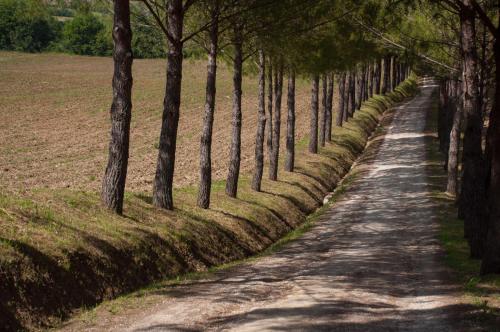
472,198
453,150
386,77
453,103
491,257
396,66
290,129
442,110
278,91
347,98
483,76
313,136
378,76
398,80
329,110
261,126
365,83
113,184
371,77
322,116
359,88
163,182
342,99
269,120
352,93
235,150
400,73
208,118
392,83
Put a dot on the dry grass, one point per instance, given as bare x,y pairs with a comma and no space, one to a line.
60,250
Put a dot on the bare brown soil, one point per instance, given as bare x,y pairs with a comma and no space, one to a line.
55,121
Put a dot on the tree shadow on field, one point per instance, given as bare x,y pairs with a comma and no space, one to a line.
294,201
349,144
205,227
278,216
255,226
302,171
306,190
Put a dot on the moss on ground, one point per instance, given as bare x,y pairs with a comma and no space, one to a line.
60,250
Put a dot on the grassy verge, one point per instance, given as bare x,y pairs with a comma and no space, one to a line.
60,251
483,292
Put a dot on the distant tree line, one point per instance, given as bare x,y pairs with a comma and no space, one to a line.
83,29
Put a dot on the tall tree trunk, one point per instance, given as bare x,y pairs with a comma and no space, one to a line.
235,150
342,99
453,150
278,91
392,82
362,86
398,67
113,184
453,104
352,93
472,199
163,182
313,136
442,110
347,98
396,74
208,118
378,77
261,126
371,79
491,257
386,72
322,116
359,88
365,83
329,110
401,73
269,120
290,128
483,79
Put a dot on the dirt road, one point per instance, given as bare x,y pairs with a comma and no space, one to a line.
371,263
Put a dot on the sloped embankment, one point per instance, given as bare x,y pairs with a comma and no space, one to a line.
59,250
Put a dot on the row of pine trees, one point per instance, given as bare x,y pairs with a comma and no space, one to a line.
469,115
355,84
